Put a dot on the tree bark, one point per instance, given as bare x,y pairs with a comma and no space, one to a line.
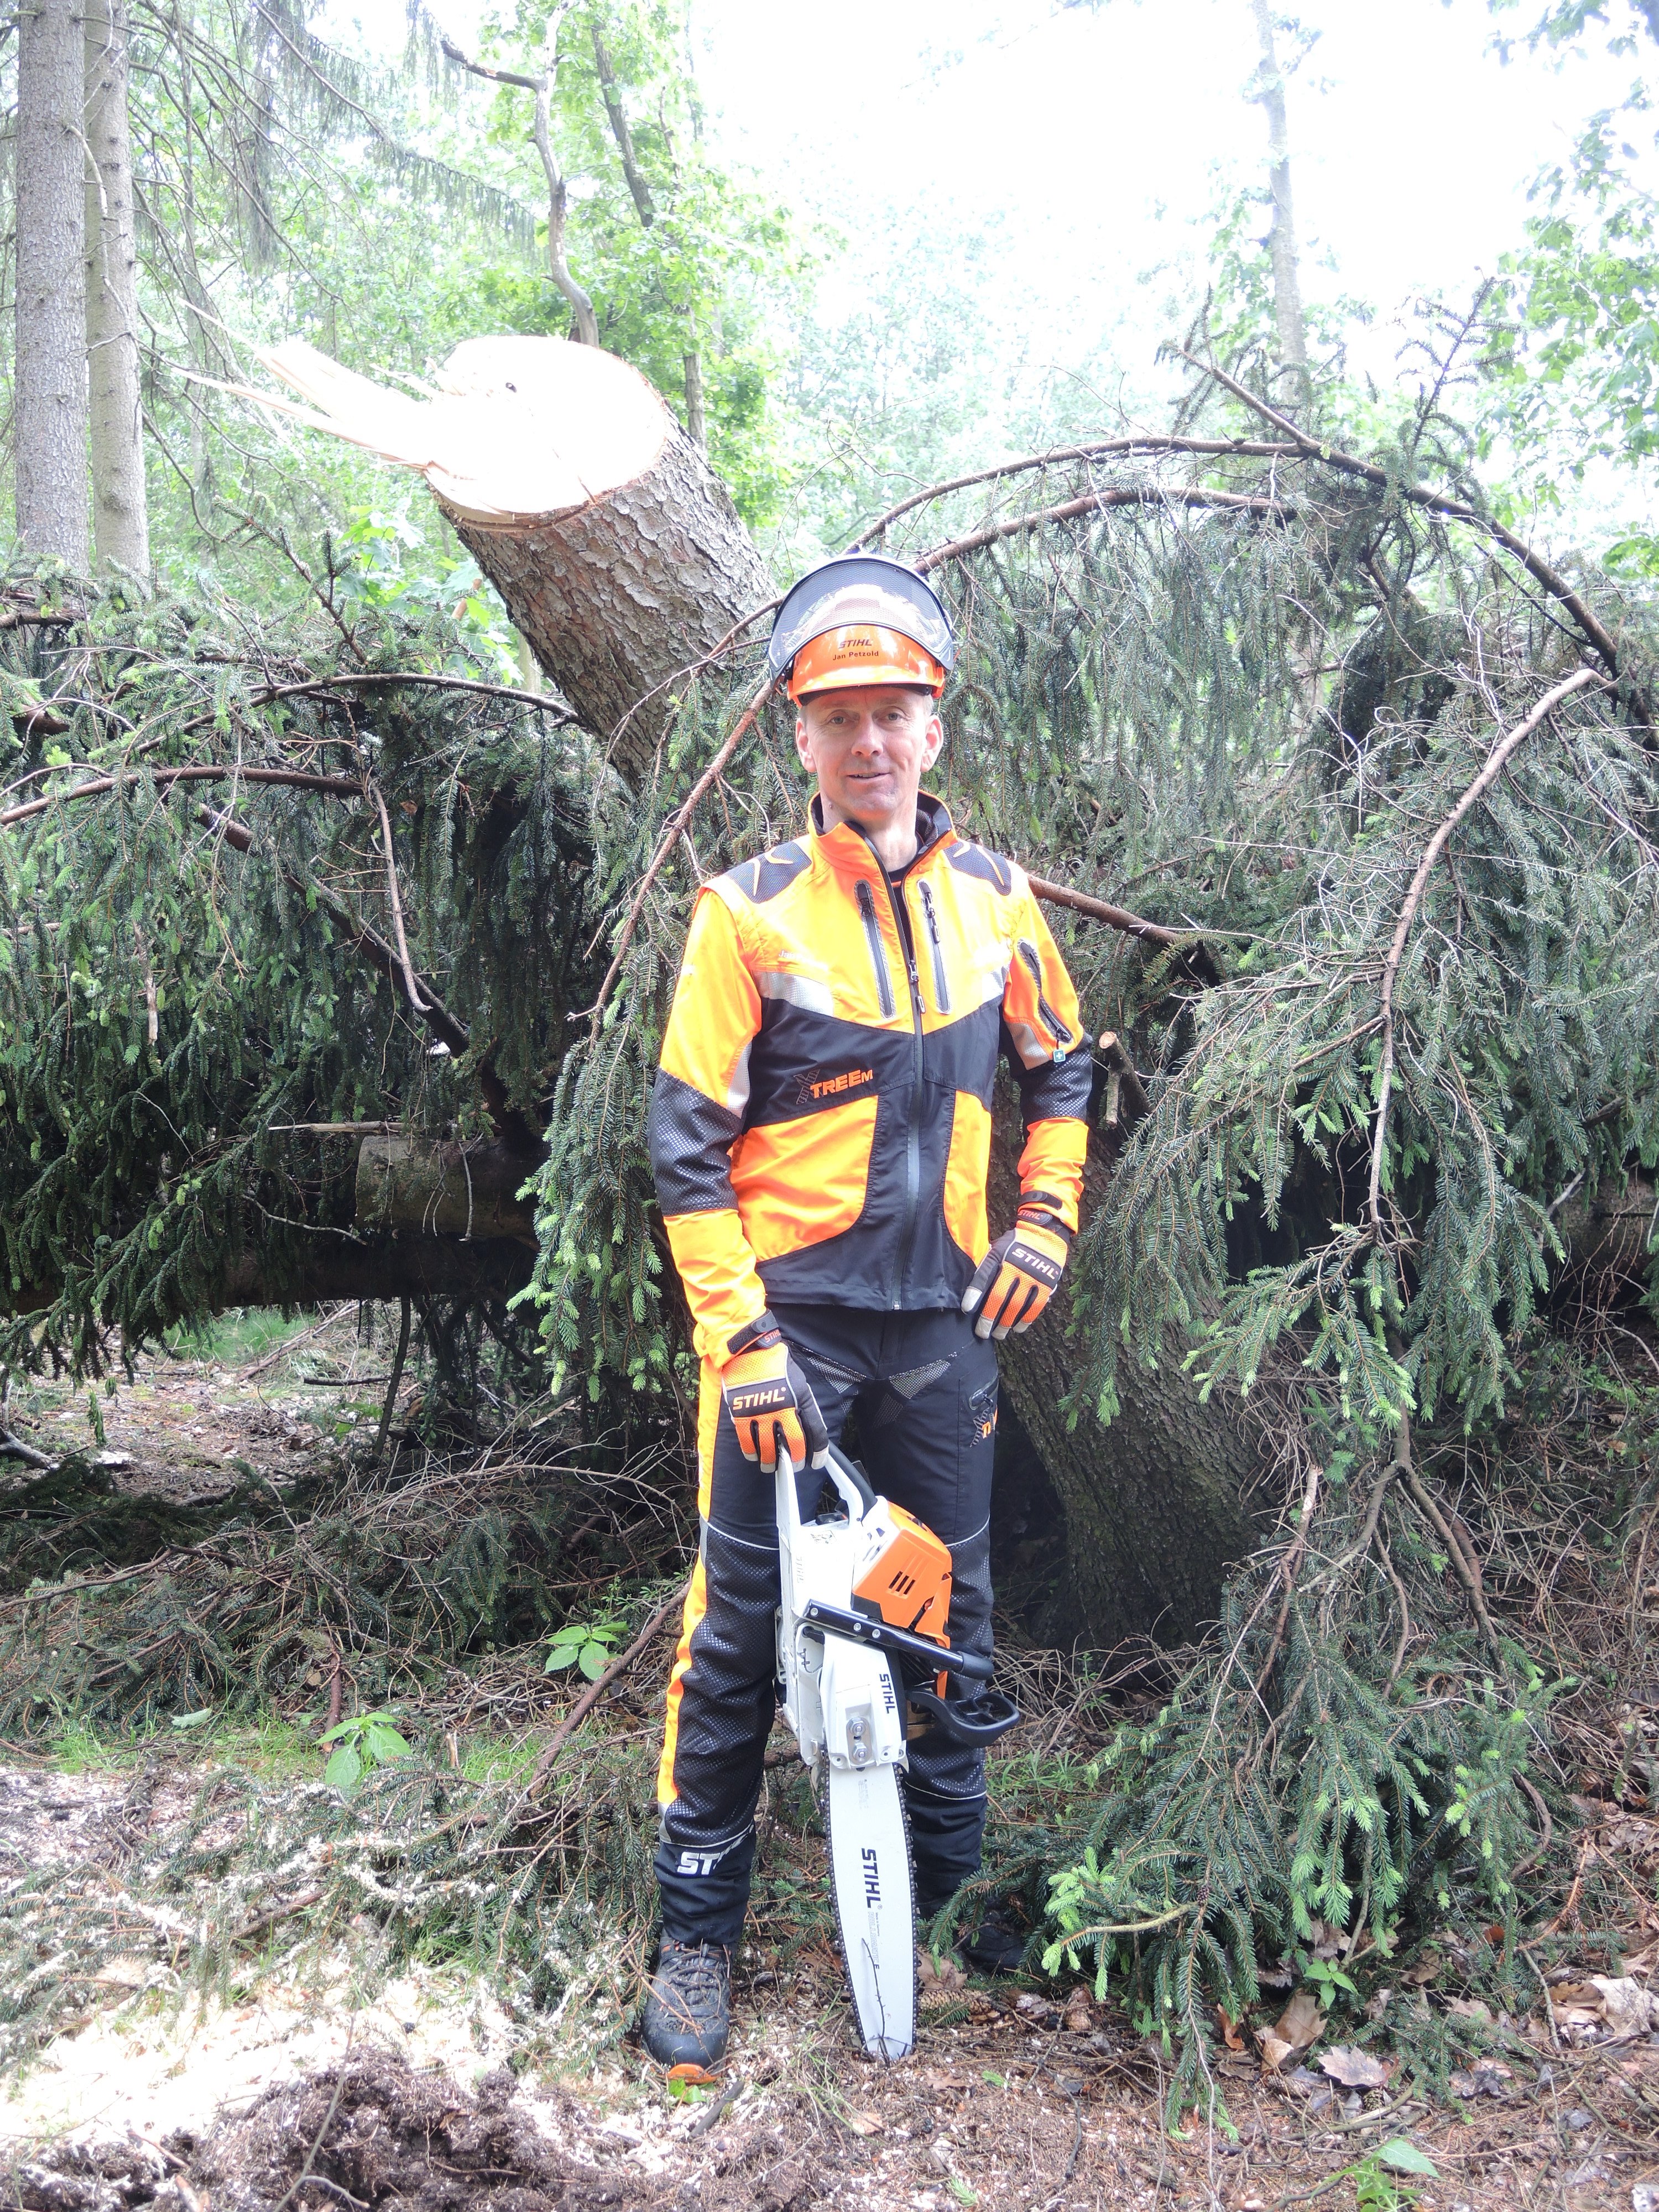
1287,280
696,421
50,353
617,549
456,1190
120,508
1153,1502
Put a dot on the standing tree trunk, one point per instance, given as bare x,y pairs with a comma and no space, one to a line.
52,338
1152,1503
1287,282
120,511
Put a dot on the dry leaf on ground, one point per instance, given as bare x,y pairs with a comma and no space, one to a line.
1356,2069
1300,2024
862,2123
1619,2004
942,1972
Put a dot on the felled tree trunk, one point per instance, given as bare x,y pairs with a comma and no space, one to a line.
444,1189
1152,1503
617,549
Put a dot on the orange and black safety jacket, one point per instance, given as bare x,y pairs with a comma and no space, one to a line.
820,1127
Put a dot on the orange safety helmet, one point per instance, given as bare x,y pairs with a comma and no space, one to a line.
860,619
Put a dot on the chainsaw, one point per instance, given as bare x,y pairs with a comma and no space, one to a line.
861,1635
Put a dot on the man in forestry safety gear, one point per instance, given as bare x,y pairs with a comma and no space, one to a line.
820,1131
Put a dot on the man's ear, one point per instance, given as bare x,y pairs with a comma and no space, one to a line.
935,743
803,743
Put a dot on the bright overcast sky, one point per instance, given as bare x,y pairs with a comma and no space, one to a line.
1092,143
1104,137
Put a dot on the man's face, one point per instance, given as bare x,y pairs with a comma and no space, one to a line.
869,747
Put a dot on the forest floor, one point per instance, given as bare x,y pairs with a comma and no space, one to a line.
308,2082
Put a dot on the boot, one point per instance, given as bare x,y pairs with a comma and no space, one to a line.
996,1946
688,2007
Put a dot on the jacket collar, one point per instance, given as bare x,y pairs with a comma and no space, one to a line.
845,846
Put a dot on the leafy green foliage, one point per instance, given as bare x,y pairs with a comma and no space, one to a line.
587,1644
361,1744
1285,1789
1375,2189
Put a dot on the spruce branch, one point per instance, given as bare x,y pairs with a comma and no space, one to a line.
1434,502
1096,502
1496,760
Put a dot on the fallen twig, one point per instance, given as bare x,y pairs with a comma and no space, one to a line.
333,787
271,1918
12,1447
1466,1571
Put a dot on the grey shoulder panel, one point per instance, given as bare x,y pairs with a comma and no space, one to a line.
764,877
988,867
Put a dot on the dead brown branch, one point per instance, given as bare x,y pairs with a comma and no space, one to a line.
1148,442
1096,503
394,900
1117,917
335,787
665,845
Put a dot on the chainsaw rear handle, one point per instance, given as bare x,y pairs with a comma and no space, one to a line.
881,1636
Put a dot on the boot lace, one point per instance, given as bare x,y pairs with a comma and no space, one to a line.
697,1973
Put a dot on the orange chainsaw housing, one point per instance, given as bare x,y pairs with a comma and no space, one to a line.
907,1577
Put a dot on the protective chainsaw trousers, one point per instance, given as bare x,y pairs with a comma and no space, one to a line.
924,1389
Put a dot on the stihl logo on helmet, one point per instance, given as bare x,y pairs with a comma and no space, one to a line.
862,619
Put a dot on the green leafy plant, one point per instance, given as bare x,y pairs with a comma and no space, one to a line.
1330,1984
1375,2186
362,1743
585,1644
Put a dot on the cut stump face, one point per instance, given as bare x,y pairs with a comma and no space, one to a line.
617,550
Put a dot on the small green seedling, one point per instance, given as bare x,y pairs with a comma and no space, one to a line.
1327,1978
587,1644
362,1743
1375,2188
686,2093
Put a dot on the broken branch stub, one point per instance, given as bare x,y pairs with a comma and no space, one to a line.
617,549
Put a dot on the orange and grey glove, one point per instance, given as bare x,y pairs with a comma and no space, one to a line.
1017,1277
768,1397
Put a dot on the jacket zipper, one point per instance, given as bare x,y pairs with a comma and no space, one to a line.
913,1135
1057,1029
877,951
941,990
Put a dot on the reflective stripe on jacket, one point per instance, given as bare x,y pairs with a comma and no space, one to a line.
820,1127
